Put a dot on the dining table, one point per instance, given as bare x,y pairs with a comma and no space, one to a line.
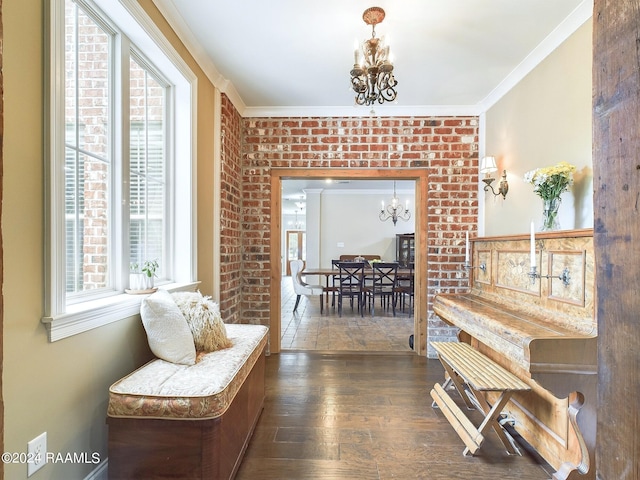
403,273
328,272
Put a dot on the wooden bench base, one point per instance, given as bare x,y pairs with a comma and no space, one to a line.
209,449
473,373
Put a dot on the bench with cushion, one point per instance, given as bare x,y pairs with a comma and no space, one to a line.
191,418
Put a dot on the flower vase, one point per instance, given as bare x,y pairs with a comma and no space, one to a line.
550,214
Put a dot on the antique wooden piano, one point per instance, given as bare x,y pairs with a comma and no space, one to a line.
543,330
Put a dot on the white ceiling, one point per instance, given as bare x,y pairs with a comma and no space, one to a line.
293,57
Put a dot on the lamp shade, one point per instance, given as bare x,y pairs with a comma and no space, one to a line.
488,164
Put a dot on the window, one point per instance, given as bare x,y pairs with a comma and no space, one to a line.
147,167
120,146
88,163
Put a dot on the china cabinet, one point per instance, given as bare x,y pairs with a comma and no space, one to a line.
405,249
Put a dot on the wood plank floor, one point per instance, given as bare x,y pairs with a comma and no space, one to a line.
365,416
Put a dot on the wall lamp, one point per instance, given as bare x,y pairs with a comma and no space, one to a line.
488,166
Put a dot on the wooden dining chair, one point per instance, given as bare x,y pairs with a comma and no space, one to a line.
350,283
332,283
404,289
383,285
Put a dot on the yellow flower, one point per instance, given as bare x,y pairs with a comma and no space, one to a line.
551,182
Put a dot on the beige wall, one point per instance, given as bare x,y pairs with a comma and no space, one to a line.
352,219
545,119
61,387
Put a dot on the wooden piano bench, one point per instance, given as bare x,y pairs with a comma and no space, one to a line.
471,373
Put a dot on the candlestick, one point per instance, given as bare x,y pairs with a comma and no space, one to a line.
533,247
466,252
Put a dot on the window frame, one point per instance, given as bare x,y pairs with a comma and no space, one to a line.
136,32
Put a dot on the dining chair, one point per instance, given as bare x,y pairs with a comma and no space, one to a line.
383,285
350,283
332,283
302,288
404,289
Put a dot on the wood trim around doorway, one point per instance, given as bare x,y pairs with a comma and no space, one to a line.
420,284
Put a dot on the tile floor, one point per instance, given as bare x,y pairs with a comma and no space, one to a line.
308,329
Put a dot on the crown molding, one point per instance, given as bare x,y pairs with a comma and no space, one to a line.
564,30
177,23
363,111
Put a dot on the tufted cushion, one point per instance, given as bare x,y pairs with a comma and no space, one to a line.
204,320
168,334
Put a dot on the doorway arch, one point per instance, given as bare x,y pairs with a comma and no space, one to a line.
420,282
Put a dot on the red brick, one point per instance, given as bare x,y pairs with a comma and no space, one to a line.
258,144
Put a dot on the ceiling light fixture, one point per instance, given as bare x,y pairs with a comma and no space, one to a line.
394,210
372,74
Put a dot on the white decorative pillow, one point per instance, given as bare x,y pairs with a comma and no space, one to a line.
204,320
168,334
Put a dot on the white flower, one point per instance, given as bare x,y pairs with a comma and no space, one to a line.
551,182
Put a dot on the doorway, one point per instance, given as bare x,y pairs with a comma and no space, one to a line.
419,175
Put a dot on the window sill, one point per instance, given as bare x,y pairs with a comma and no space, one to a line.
86,316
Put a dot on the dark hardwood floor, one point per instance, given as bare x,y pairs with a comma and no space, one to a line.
365,416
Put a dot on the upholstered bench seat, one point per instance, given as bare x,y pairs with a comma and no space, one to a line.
165,390
168,420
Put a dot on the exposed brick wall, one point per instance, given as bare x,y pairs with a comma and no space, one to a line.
231,199
446,146
452,209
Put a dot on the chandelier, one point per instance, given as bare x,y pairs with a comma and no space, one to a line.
394,210
372,74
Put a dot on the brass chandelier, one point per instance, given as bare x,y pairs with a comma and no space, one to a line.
372,74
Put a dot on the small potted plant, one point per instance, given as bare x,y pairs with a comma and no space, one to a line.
149,268
141,278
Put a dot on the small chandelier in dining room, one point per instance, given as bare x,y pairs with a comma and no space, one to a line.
372,73
394,210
